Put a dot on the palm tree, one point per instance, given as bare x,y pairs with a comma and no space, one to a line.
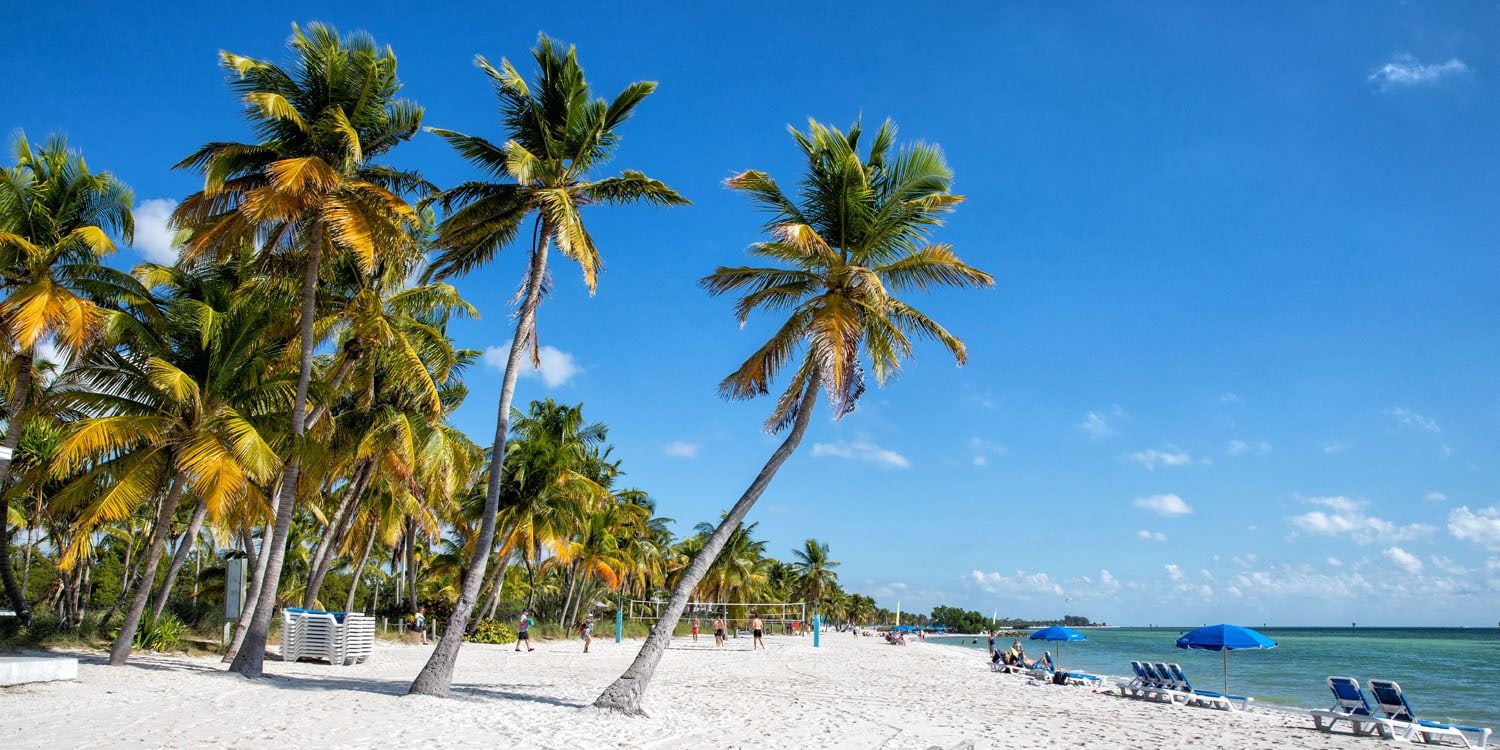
558,134
307,193
815,573
857,236
55,219
176,407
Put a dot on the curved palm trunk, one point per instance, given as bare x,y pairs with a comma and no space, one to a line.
625,693
436,676
359,569
15,424
247,610
158,545
250,659
189,538
493,604
338,529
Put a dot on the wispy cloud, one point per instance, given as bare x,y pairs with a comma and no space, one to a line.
1022,583
1152,458
1231,398
1411,563
1243,448
1100,425
154,238
680,449
1406,70
1435,497
557,366
1343,516
1335,446
983,449
1168,505
1151,536
1409,418
862,450
1482,528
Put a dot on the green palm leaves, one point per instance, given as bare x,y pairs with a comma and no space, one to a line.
857,235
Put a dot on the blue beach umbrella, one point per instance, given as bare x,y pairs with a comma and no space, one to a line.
1224,638
1057,634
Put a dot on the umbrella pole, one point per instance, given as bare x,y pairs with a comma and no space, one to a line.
1225,652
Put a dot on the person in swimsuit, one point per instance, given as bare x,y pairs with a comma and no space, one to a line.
757,629
718,631
522,626
586,632
695,630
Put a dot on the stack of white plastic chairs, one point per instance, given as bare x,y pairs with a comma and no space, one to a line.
334,637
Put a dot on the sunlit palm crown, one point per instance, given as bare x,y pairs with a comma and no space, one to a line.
559,133
55,220
311,178
856,234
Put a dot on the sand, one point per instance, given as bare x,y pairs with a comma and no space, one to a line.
854,693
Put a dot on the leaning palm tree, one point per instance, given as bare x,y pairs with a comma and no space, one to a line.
857,235
815,571
55,219
307,194
558,134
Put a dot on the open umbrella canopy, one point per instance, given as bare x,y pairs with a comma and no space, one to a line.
1223,638
1057,633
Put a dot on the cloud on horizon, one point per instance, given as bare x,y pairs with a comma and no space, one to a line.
1350,517
1405,70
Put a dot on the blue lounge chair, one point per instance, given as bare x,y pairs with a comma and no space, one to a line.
1145,684
1390,701
1205,697
1044,669
1351,705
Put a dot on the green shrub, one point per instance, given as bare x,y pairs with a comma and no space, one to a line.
491,631
160,634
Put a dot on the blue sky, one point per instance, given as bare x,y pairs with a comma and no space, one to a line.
1241,363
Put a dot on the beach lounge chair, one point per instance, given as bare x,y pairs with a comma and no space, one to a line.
1135,687
1159,683
1391,701
1204,697
1351,705
1044,669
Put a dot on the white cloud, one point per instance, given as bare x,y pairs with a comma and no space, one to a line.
1335,446
1174,572
681,449
1241,448
1151,536
1022,583
1166,504
1407,560
862,450
1482,528
1436,497
1410,418
1406,70
1102,425
1448,565
153,232
1245,561
557,368
1334,562
1231,398
1152,458
1347,516
983,449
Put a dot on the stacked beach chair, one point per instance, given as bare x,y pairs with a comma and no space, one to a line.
335,637
1168,683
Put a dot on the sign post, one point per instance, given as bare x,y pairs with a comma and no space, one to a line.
817,630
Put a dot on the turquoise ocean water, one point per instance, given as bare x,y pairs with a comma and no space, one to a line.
1449,674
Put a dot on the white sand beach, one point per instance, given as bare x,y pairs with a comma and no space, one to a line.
851,693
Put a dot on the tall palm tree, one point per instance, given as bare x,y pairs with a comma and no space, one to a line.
55,219
857,235
815,571
558,134
306,193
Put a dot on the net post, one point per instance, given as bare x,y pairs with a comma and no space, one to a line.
619,622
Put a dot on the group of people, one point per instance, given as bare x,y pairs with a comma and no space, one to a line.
757,631
523,631
1015,656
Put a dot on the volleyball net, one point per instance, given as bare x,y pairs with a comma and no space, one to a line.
778,617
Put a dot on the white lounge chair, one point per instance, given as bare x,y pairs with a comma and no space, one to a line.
1351,705
1390,701
1203,697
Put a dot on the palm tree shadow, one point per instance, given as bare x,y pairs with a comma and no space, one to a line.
513,693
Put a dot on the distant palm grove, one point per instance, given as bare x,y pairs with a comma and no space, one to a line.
281,395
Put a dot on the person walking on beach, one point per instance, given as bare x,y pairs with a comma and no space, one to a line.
419,623
756,631
718,631
991,634
586,631
523,625
695,630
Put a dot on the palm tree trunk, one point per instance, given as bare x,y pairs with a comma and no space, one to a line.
249,660
189,538
411,562
15,424
493,604
154,550
338,528
437,674
625,693
359,569
562,619
31,543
